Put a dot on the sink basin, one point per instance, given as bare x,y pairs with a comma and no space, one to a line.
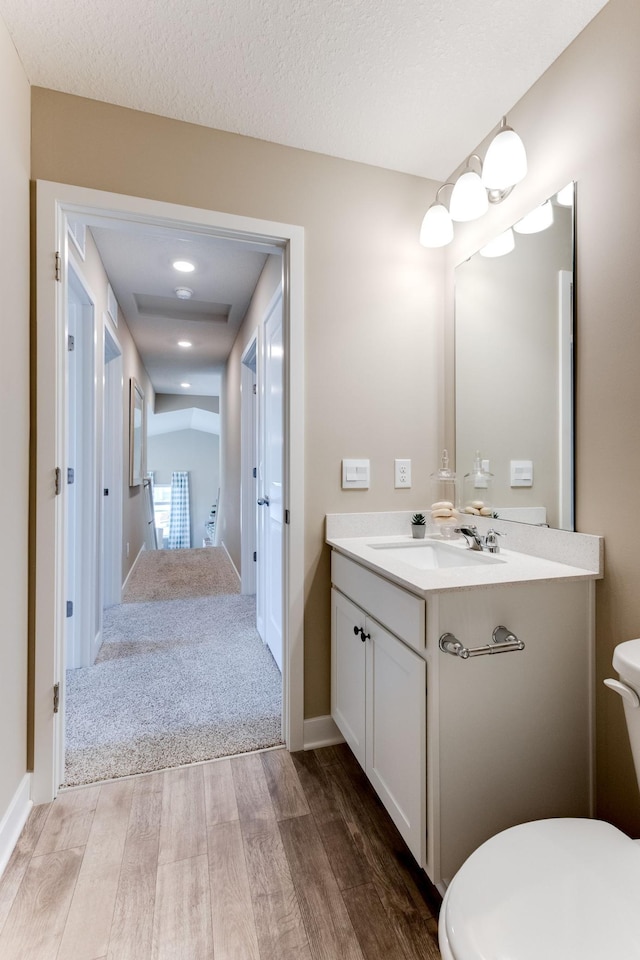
433,555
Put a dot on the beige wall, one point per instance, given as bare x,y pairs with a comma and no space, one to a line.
582,121
372,305
14,422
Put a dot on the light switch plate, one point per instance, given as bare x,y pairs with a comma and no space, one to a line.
521,473
355,474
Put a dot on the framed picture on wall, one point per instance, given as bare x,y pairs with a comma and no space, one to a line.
136,433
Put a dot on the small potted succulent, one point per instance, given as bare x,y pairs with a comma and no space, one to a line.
418,525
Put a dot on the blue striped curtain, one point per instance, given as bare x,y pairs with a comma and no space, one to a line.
179,519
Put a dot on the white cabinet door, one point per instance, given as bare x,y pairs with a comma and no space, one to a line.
396,733
348,673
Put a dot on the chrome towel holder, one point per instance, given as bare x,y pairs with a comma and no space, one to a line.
502,641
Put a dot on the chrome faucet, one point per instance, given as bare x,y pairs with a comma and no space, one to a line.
476,541
471,535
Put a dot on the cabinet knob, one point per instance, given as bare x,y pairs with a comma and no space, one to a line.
356,630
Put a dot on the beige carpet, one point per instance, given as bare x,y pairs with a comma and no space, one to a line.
181,575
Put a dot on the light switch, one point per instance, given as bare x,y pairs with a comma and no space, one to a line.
355,474
522,473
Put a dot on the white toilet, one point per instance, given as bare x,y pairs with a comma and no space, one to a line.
563,889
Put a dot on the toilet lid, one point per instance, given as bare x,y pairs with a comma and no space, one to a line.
564,889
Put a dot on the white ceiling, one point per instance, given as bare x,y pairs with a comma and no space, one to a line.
412,85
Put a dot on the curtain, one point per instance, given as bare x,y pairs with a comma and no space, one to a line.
179,519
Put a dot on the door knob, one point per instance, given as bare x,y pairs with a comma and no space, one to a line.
263,501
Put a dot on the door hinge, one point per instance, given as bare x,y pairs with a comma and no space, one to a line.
255,389
71,475
71,343
58,481
69,608
287,518
58,267
56,697
105,493
255,556
255,472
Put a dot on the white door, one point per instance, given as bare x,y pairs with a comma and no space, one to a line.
79,482
270,476
112,472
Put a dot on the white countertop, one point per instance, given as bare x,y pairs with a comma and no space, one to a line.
514,567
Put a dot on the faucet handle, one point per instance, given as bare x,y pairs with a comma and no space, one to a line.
490,542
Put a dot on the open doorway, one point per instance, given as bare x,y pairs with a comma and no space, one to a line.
48,748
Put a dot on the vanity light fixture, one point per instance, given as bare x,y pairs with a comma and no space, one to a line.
185,385
185,343
505,163
184,266
504,166
469,198
437,226
504,243
565,196
184,293
538,220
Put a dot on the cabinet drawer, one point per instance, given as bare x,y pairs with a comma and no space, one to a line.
399,611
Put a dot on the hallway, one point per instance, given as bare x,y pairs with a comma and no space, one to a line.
269,856
182,675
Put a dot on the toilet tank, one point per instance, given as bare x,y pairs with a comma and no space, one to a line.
626,660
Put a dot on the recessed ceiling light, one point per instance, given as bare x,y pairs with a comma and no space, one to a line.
185,385
185,343
184,266
184,293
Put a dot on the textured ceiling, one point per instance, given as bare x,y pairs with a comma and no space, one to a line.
412,85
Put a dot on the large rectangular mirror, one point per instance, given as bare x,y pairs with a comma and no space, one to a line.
514,367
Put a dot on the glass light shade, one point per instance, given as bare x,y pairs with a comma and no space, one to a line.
502,244
536,221
468,198
437,228
565,196
506,161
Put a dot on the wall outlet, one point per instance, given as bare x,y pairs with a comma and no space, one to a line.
402,473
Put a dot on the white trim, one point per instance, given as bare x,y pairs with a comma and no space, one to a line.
14,820
248,461
133,565
321,732
235,569
55,202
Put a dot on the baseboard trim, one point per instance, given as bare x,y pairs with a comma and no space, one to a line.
14,820
133,566
321,732
224,547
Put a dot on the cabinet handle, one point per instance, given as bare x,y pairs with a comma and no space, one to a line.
363,636
503,641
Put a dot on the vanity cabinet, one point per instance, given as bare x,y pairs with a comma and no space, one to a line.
379,704
459,749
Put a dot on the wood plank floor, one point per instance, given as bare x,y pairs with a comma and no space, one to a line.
269,856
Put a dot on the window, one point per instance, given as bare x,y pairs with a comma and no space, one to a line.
162,508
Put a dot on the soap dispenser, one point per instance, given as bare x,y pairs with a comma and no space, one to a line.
477,487
444,515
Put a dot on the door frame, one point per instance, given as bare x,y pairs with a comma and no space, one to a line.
55,203
112,438
248,462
